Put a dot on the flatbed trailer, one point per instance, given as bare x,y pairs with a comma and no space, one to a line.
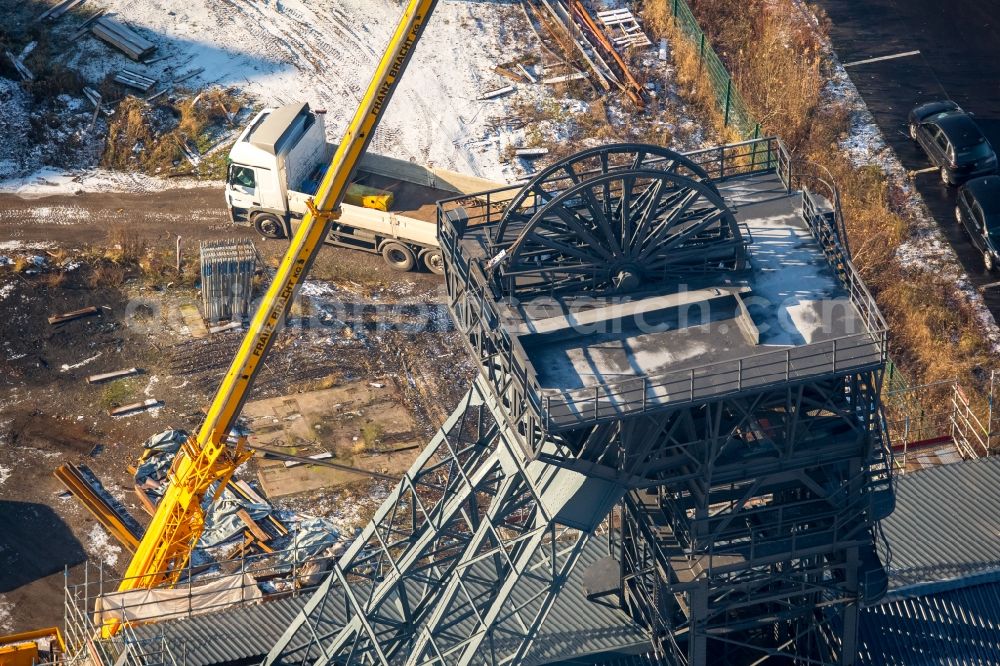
275,167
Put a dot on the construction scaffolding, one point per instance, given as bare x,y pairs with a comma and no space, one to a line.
227,270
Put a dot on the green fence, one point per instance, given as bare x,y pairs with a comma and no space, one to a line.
734,109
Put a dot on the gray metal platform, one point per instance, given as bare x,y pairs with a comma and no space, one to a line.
790,316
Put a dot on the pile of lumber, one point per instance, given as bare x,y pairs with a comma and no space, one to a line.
123,38
135,80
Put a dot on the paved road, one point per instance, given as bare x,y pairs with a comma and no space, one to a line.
959,44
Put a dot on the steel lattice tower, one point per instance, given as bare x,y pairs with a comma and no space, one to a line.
608,304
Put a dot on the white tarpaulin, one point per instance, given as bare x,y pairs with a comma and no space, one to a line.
165,603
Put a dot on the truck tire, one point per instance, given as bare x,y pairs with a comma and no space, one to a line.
433,261
398,256
269,225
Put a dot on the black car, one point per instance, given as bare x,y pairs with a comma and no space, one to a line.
978,210
953,141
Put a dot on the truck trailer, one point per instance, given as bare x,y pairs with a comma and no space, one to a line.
275,168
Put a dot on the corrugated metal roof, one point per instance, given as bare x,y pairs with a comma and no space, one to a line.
946,523
574,627
613,659
958,625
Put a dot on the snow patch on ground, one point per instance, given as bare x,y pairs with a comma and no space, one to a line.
49,181
20,246
6,615
926,249
324,53
99,545
5,473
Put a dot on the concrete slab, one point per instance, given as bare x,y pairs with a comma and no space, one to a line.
360,425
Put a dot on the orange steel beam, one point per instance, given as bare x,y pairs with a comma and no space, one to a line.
95,504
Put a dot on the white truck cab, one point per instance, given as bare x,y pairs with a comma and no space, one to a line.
279,159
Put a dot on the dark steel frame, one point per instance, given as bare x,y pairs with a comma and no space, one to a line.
748,498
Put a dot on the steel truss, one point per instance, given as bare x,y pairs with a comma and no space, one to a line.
745,518
764,534
430,579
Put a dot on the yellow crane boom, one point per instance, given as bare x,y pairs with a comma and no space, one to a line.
208,456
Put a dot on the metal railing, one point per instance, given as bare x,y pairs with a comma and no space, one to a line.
479,317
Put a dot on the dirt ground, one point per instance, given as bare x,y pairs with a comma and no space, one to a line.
357,320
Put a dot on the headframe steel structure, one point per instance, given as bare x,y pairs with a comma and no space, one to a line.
742,496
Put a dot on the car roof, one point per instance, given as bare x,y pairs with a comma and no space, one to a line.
986,191
962,131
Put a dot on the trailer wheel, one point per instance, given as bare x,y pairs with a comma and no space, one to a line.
398,256
434,262
269,225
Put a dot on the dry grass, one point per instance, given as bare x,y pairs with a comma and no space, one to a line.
106,274
692,84
124,245
54,279
132,143
135,141
58,256
775,56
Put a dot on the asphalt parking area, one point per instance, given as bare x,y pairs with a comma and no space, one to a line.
958,44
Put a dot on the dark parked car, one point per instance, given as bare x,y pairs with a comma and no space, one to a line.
953,141
978,210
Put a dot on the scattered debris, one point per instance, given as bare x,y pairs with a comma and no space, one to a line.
531,153
319,456
157,95
563,78
59,9
92,95
499,92
19,66
596,38
123,38
109,376
135,80
184,77
231,326
74,366
320,459
528,75
564,29
85,28
624,29
193,321
135,407
75,314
